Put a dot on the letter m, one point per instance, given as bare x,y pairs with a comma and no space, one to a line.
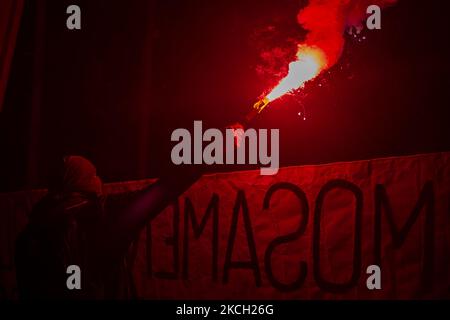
190,216
399,235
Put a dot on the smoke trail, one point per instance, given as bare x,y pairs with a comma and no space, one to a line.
327,20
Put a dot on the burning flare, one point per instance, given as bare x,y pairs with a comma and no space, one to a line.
326,21
310,62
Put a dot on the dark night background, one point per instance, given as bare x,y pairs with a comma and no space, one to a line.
115,90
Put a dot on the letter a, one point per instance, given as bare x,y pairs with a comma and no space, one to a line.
181,153
74,20
74,280
374,281
374,21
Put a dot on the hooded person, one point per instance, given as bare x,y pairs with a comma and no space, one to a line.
70,227
66,228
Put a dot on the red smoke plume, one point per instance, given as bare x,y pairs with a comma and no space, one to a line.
326,21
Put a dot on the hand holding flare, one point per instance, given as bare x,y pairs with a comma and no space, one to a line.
311,61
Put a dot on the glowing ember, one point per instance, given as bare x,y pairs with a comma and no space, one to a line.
310,62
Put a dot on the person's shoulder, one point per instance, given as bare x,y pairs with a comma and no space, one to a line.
43,207
28,243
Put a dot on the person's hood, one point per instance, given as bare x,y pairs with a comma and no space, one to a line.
77,174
